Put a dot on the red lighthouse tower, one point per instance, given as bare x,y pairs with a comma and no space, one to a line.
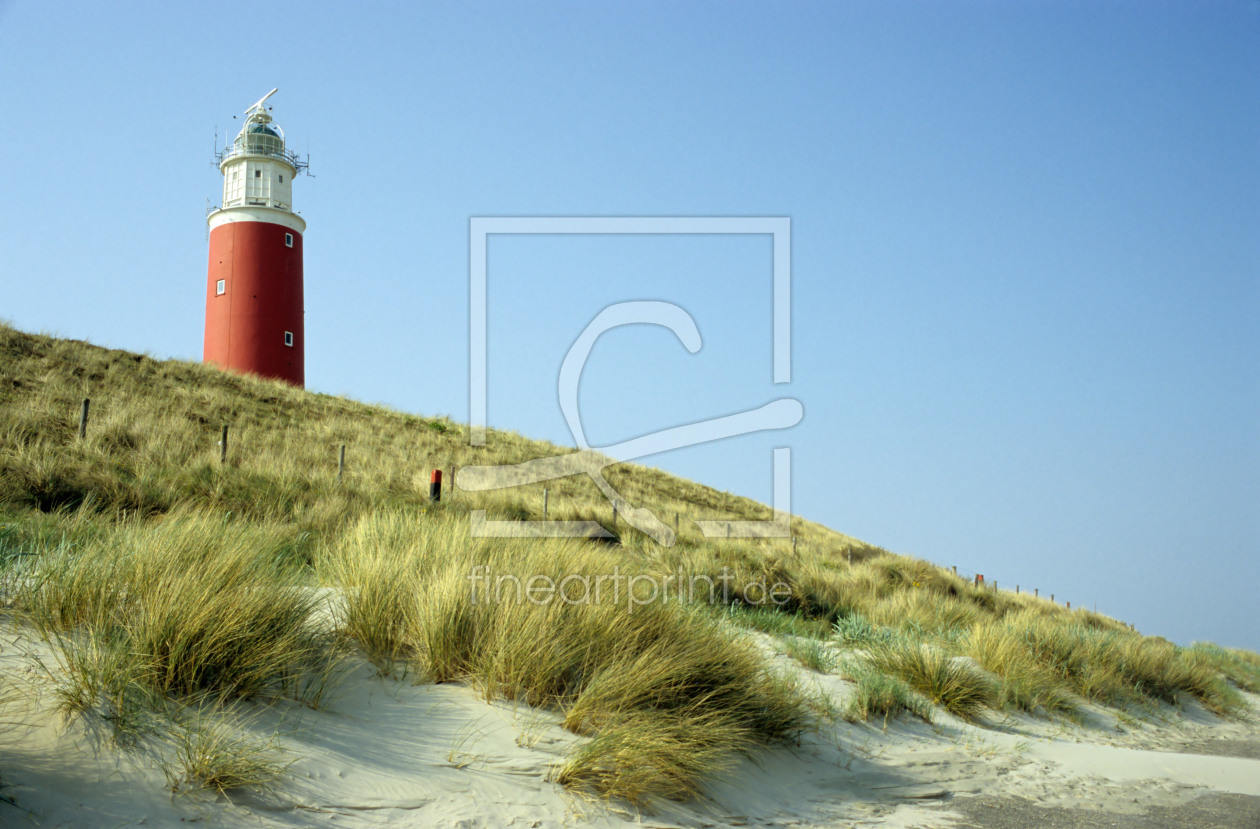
254,288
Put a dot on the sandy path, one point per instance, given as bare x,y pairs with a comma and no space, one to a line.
1209,811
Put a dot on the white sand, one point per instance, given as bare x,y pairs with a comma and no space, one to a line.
386,752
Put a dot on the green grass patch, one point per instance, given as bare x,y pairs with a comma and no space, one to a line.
879,695
947,681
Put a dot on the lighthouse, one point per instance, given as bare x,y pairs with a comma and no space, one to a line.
254,305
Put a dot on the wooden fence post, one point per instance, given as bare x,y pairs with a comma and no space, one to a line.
544,503
83,417
341,462
223,445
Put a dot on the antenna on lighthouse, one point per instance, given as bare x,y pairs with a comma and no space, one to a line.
261,100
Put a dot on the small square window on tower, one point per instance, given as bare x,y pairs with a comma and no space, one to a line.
288,338
258,174
288,240
220,287
280,178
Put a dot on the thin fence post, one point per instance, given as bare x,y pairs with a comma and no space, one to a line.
544,503
955,569
1051,597
451,496
614,506
1017,590
1036,592
341,462
728,529
83,417
223,445
793,545
675,523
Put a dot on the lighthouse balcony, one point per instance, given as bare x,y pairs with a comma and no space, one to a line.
259,150
278,205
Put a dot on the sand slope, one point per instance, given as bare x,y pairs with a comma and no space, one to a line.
387,752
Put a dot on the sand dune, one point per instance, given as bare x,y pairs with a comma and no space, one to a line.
388,752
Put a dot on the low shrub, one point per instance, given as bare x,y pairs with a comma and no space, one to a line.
855,631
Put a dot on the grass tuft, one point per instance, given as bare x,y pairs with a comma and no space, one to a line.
877,694
645,755
811,653
190,608
950,682
210,752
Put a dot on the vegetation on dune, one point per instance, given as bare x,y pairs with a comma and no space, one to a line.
194,606
209,752
174,590
1238,666
878,695
948,681
646,680
153,443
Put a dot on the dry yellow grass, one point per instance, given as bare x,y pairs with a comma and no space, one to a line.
664,684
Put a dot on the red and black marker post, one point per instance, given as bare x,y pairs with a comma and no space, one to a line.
435,486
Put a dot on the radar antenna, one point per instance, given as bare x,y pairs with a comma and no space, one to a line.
259,105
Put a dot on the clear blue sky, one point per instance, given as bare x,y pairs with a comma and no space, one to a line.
1025,244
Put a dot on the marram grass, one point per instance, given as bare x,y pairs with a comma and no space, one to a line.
951,682
196,605
878,695
168,582
641,681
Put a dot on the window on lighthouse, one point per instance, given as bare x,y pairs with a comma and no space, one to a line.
288,240
220,287
288,338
